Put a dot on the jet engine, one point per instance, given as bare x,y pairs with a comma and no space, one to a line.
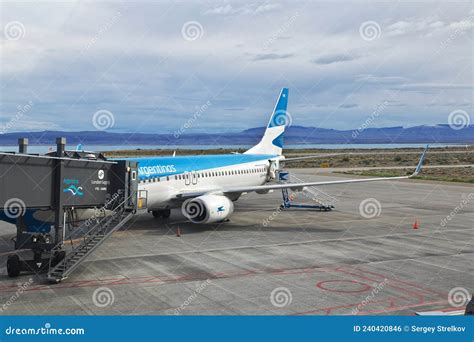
208,209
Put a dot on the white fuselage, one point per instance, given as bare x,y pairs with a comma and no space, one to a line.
161,190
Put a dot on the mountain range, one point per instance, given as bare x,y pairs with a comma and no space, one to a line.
441,133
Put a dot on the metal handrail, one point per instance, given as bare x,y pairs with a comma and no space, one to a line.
100,224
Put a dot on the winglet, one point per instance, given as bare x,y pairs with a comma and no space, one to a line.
420,163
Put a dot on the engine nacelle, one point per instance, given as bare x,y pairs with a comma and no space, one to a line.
208,209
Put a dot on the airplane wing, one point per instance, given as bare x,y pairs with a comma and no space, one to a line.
301,186
323,155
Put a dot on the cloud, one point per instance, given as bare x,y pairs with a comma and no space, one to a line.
228,9
221,10
349,105
428,26
268,7
381,79
424,25
434,86
77,58
271,56
335,58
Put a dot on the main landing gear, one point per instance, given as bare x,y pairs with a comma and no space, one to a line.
161,213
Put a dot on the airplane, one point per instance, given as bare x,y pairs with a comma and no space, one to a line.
205,186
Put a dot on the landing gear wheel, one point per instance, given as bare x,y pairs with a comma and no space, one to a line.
13,266
161,213
166,214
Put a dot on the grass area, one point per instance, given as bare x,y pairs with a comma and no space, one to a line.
381,160
454,174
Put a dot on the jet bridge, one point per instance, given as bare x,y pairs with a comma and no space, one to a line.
64,205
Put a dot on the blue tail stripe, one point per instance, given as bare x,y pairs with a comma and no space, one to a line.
279,114
278,141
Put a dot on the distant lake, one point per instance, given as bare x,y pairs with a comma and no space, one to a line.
44,149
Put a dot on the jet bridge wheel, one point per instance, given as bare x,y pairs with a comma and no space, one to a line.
161,213
13,266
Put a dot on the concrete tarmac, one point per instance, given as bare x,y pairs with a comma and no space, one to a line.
364,257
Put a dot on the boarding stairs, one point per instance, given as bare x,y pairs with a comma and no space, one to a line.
323,200
66,257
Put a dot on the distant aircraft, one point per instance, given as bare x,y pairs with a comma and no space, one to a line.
205,186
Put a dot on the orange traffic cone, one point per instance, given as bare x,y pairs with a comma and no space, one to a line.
178,232
415,225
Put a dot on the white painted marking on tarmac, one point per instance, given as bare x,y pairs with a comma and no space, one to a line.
291,243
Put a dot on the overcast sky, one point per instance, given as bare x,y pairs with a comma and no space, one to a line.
154,65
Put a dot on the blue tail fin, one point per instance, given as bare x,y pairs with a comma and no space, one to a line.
272,140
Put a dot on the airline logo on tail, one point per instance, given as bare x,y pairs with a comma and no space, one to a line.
272,140
279,117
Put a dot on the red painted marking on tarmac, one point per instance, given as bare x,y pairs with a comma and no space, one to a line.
329,310
405,295
408,283
362,286
410,290
417,294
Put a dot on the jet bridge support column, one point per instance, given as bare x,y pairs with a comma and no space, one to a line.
57,189
23,145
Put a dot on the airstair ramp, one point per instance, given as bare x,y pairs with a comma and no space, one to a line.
65,258
318,195
323,200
